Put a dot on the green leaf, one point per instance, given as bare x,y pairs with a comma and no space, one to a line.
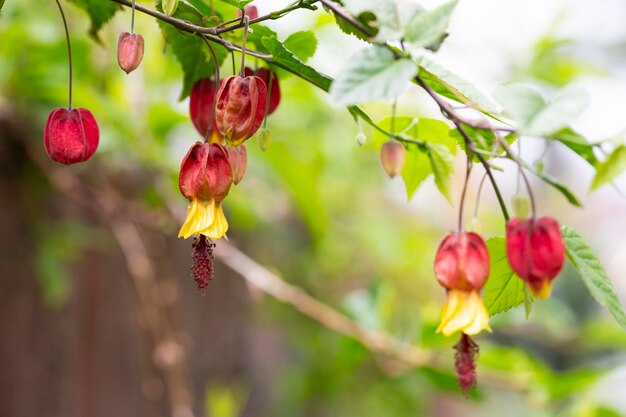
435,131
1,4
567,193
428,29
504,290
191,51
237,3
576,143
442,164
169,6
593,275
383,12
372,74
100,12
302,44
406,125
286,60
416,169
536,117
454,87
256,35
610,169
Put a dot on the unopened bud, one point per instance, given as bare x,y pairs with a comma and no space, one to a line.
392,157
521,205
129,51
265,139
361,138
169,6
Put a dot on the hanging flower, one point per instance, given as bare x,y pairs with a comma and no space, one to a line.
238,158
205,179
201,102
535,250
71,136
271,82
462,267
129,51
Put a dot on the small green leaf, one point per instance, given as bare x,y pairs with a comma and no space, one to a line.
435,131
576,143
454,87
381,15
593,275
302,44
428,29
504,290
567,193
610,169
442,164
100,12
401,124
169,6
237,3
416,169
256,35
372,74
1,4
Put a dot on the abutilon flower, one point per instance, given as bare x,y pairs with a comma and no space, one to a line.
238,158
129,51
271,82
535,250
392,157
205,179
201,101
71,136
462,267
240,108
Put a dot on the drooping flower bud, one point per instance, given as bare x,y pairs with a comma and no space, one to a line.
238,158
201,102
535,250
462,267
271,82
251,12
129,51
240,108
71,136
392,157
361,139
205,179
264,139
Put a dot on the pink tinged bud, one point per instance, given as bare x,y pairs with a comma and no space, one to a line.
238,158
462,262
129,51
205,173
240,108
71,136
535,251
201,107
392,157
251,12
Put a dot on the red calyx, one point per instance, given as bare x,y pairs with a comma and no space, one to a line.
201,106
240,108
129,51
535,250
462,262
271,81
238,158
205,173
71,136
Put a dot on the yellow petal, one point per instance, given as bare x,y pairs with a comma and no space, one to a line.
464,312
544,291
200,216
218,228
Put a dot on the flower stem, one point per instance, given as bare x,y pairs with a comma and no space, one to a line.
132,18
69,54
243,45
217,86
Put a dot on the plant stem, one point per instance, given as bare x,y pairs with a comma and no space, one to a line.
243,45
132,18
217,85
69,54
515,159
468,171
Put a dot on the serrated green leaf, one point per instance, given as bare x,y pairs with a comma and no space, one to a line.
435,131
442,164
567,193
504,290
399,124
428,29
256,35
588,266
191,51
100,12
302,44
610,169
385,13
416,169
169,6
451,86
576,143
370,75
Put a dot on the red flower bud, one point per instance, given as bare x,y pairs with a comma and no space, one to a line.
535,250
205,173
240,108
271,81
238,158
71,136
251,12
129,51
392,156
201,107
462,262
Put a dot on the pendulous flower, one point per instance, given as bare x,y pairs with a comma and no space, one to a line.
205,179
392,157
271,82
238,158
201,102
129,51
71,136
535,250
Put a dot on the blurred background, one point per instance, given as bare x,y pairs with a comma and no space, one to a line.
323,301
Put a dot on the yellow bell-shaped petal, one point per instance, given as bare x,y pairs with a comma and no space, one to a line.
200,216
218,227
463,312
